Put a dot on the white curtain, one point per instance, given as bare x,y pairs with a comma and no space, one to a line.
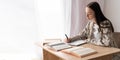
18,31
50,18
78,18
67,12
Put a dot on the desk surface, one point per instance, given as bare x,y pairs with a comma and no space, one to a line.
102,51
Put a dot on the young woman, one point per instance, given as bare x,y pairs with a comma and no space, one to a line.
98,30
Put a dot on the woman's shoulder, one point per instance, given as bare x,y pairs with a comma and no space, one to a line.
105,23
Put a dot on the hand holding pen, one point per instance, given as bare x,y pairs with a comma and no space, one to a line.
67,39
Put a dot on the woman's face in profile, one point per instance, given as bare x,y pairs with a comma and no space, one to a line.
89,13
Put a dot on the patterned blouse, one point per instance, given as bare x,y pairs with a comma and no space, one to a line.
94,34
102,35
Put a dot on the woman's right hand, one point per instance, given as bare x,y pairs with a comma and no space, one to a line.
67,40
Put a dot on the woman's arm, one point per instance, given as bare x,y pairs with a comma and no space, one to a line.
83,35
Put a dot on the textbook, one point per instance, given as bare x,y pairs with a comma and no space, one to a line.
57,46
79,51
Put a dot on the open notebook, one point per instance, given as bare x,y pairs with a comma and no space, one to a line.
77,42
80,51
57,46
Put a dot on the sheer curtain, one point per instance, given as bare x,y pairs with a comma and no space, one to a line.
24,22
78,18
67,12
18,30
50,18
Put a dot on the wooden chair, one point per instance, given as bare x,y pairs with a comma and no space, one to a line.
116,37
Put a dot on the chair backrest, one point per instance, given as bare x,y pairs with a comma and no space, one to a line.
116,37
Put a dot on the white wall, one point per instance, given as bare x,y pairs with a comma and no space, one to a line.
112,12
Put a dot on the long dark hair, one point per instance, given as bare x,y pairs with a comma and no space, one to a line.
98,13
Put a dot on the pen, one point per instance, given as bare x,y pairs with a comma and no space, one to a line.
66,36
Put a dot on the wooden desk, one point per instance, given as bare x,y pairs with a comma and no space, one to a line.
104,53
